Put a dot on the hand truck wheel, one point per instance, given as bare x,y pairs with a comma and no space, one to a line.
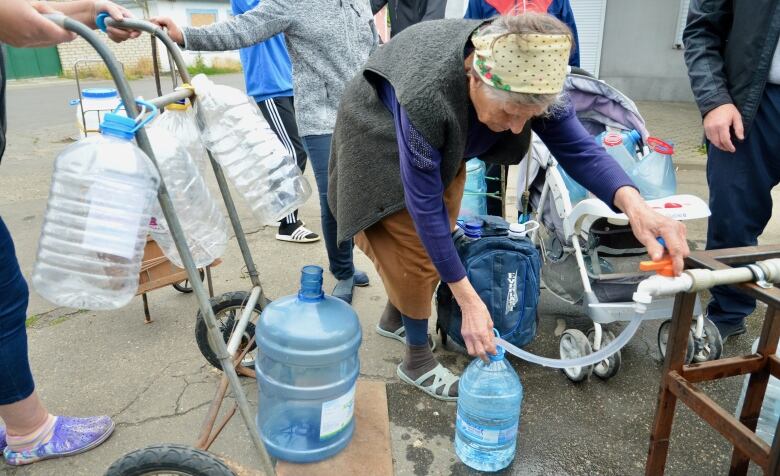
168,459
227,310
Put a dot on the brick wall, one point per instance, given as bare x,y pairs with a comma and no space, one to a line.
129,53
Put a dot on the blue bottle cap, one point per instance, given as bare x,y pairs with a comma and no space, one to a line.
634,135
118,126
99,93
499,354
473,229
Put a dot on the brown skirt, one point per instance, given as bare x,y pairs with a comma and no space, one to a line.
409,276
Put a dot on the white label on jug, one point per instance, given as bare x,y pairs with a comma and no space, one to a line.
483,435
110,231
336,414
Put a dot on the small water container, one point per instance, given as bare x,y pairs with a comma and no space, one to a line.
613,144
95,103
654,174
489,399
474,202
306,371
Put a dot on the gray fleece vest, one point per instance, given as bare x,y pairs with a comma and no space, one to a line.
424,64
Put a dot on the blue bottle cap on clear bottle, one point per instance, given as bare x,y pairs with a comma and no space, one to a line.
473,229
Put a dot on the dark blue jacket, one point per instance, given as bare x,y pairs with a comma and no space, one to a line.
729,46
267,68
560,9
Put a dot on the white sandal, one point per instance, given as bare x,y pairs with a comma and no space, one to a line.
400,336
441,377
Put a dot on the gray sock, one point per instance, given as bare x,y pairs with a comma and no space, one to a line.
391,318
418,360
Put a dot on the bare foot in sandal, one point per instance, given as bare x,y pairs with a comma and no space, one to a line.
421,369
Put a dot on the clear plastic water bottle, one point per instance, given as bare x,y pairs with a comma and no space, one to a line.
97,217
489,400
654,174
253,158
201,217
613,144
306,372
631,140
179,120
474,202
770,409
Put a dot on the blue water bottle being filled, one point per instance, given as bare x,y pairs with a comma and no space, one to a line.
489,399
306,372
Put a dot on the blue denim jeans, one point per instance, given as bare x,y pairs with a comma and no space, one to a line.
16,382
339,257
740,198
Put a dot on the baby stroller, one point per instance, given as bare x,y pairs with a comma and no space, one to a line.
590,256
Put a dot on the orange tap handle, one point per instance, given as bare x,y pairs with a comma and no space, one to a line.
664,266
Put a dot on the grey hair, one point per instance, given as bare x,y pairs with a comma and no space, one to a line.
526,23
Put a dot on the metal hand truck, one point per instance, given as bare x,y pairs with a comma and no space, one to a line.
229,355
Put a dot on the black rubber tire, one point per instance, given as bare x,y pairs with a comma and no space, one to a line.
220,304
184,286
164,459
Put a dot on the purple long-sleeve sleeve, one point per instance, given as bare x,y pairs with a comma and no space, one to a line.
423,191
587,162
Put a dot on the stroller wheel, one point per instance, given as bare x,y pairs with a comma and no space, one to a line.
608,367
575,344
710,345
663,338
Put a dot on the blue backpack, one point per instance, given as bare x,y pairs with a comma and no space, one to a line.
505,273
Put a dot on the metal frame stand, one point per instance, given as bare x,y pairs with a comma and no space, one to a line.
677,381
216,340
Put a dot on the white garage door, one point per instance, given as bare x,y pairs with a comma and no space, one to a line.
589,15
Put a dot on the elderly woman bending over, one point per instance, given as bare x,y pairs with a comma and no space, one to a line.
439,93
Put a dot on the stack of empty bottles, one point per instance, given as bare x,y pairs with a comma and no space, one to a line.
253,158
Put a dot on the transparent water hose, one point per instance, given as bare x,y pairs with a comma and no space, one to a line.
620,341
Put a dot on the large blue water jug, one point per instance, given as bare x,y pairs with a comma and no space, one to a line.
306,371
474,202
489,399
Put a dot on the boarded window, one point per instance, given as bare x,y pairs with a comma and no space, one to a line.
203,17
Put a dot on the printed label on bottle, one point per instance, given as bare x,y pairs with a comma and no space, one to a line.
336,414
483,435
108,231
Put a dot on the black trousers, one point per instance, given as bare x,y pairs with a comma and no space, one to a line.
740,197
280,114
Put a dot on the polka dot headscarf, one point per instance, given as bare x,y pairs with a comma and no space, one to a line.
528,63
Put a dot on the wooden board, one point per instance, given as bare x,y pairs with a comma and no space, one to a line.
370,445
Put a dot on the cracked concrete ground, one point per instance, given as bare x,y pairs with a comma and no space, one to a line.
153,381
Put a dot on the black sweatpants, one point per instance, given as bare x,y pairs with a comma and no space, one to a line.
280,114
